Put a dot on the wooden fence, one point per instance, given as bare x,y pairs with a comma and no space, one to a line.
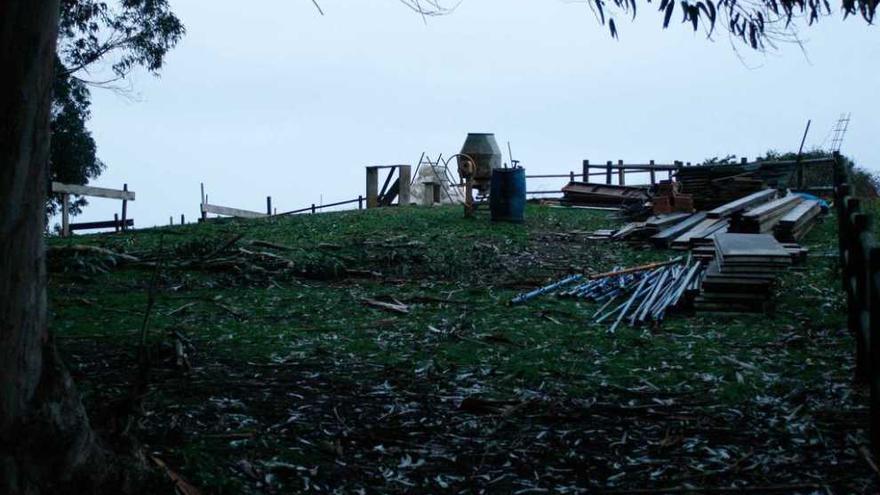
99,192
860,270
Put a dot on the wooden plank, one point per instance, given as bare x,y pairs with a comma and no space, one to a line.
740,204
665,237
109,224
231,212
65,215
784,203
98,192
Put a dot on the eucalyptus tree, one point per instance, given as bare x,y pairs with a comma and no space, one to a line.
46,442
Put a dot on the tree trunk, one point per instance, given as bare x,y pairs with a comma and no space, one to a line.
46,442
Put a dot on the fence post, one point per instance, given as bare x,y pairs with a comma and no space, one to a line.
571,176
269,205
182,220
608,172
313,208
857,270
653,175
116,222
873,283
124,207
360,202
586,170
65,215
620,173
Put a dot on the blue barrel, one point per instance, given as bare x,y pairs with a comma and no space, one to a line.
507,194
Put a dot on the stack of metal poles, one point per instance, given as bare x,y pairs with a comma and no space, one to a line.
643,296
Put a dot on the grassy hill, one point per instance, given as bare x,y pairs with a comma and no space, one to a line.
294,377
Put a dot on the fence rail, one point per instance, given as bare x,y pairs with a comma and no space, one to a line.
860,271
65,190
314,208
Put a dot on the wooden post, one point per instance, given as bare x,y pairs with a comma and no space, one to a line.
360,202
313,208
65,215
182,219
372,187
653,175
857,271
621,178
269,205
586,170
171,220
116,222
874,338
608,172
571,176
204,202
404,178
124,207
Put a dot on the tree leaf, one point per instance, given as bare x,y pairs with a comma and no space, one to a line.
669,8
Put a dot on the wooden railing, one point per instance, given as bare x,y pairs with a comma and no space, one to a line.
860,270
98,192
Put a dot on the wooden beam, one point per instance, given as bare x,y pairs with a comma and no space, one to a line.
65,215
231,212
404,174
111,224
124,207
372,187
98,192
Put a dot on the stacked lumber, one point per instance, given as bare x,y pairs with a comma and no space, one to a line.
665,237
795,224
587,194
714,185
738,206
706,253
762,219
742,274
639,231
701,233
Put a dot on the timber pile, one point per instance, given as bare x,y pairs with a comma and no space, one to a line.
740,205
701,233
763,219
798,221
587,194
742,274
665,237
714,185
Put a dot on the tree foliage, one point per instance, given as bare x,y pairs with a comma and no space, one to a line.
94,37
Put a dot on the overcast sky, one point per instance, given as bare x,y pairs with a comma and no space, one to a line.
270,98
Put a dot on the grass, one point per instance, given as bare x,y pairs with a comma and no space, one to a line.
460,339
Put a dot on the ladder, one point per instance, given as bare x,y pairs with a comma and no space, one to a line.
839,131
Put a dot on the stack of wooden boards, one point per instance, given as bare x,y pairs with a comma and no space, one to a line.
742,274
716,184
797,222
588,194
788,218
762,219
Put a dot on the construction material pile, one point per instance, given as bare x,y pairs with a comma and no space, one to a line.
668,198
742,274
603,195
644,294
798,221
762,219
716,184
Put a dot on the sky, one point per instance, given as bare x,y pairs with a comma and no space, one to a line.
271,98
